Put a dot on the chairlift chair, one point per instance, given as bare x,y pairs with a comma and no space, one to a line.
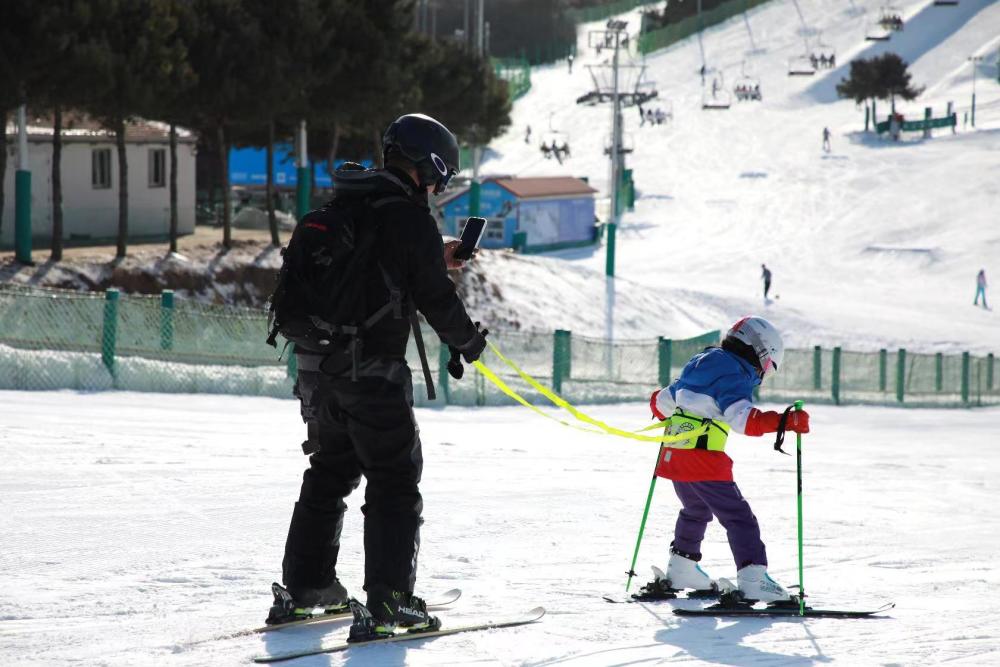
875,32
747,87
554,144
715,95
890,18
801,65
824,54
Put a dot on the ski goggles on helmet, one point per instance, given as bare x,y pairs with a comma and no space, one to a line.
444,174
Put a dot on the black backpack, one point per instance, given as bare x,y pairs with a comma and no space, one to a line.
316,303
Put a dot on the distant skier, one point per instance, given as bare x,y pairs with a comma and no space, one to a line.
569,60
826,140
981,288
715,390
527,135
642,116
765,274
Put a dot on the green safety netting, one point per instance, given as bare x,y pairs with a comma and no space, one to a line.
56,339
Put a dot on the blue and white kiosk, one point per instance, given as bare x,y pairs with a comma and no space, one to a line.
528,214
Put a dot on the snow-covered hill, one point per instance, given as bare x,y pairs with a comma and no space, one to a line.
874,244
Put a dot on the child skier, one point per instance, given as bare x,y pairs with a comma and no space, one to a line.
715,389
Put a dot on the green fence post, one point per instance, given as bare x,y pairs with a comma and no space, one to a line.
109,334
989,372
664,357
166,319
444,356
883,359
560,358
965,377
22,215
817,367
938,372
835,379
900,374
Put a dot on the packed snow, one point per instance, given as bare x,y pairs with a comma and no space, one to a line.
138,528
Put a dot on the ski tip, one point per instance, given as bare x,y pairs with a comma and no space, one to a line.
537,612
453,594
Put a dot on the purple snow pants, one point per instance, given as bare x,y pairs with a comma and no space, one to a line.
701,500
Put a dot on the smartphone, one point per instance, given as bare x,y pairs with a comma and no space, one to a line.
473,232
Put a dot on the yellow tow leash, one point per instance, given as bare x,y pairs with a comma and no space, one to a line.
600,427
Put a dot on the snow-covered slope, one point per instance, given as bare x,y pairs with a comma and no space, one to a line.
874,244
137,530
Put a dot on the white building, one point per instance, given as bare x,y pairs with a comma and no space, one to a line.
90,182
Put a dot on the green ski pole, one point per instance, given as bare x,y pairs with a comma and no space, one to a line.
798,466
642,525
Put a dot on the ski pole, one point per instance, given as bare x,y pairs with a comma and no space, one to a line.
642,525
798,466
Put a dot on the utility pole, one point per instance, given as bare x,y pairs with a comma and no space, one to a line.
975,60
22,192
302,175
615,28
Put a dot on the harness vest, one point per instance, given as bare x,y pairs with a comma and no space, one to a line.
713,440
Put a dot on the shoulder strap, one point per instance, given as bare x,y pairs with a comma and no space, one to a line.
418,338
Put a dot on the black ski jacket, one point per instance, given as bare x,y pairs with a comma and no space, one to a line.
410,249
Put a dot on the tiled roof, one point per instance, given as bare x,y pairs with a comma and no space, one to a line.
547,186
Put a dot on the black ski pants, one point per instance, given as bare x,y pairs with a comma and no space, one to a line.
365,428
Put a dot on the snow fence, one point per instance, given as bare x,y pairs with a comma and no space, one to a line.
56,339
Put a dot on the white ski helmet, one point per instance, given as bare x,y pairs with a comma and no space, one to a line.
761,336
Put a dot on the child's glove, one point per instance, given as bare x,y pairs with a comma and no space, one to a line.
652,406
759,423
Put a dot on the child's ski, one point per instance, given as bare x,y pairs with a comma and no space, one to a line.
403,636
716,610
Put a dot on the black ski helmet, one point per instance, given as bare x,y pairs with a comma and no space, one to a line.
428,144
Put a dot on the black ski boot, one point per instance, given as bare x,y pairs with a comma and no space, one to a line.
306,603
386,610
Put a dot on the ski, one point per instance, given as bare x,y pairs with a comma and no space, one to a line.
403,636
635,597
445,600
787,612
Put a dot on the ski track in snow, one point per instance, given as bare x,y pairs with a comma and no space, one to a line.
872,245
138,527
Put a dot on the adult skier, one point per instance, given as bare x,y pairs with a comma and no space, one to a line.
715,389
826,140
353,382
765,274
981,288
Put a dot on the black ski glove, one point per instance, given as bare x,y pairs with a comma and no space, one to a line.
455,367
473,349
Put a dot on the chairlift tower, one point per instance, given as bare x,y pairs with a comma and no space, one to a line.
613,36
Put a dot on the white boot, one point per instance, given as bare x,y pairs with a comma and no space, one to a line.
686,573
756,584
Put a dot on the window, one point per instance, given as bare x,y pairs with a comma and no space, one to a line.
100,168
157,167
494,229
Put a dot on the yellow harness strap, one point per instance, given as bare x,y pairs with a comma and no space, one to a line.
600,427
